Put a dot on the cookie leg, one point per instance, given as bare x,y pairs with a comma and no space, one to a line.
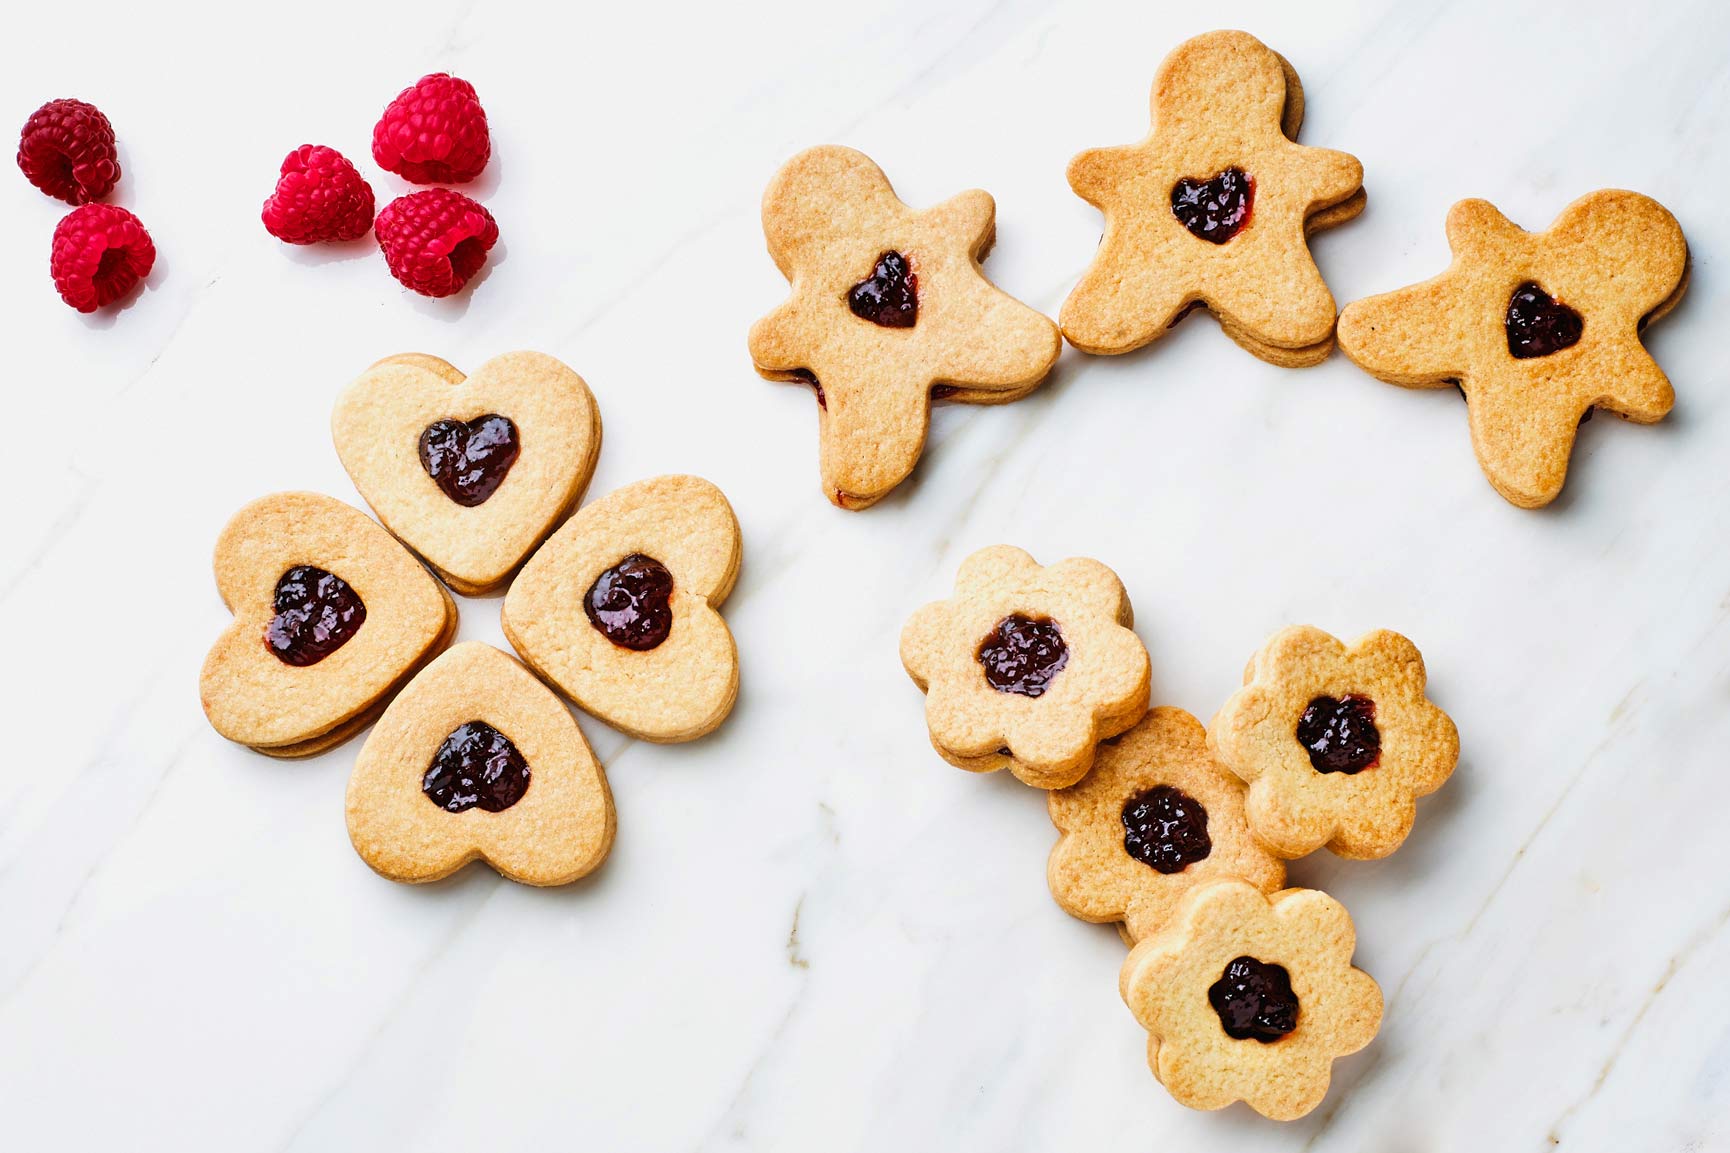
870,439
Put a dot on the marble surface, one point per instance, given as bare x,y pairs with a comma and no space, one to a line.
812,933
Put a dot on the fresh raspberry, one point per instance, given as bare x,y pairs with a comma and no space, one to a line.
435,240
101,252
319,197
67,150
434,132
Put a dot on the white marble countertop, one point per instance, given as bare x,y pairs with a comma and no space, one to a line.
812,933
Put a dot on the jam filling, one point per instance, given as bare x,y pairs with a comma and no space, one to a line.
1340,734
630,603
469,460
1166,828
1215,209
889,296
477,766
316,614
806,376
1539,324
1022,655
1254,999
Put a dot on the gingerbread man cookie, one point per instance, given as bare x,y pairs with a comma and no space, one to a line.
889,307
1027,668
478,759
618,608
331,616
1536,328
1335,742
1155,817
470,472
1250,997
1214,208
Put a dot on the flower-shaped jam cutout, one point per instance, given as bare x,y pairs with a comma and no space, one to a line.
1013,627
1155,817
1335,742
1251,997
1536,328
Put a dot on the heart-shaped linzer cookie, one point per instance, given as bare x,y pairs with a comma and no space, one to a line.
471,473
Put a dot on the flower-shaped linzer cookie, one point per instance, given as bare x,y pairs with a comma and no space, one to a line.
1027,668
1336,742
1536,328
888,307
1215,207
1250,997
1155,817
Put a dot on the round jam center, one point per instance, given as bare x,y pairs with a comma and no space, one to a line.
1254,999
1340,734
1165,828
889,296
476,766
1539,324
1022,655
469,459
316,614
630,603
1215,209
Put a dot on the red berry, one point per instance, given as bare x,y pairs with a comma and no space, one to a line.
67,150
434,132
100,254
319,197
435,240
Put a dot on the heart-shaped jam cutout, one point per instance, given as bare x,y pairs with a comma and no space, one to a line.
316,614
1022,655
1340,734
1215,209
630,603
889,296
469,460
1166,829
1539,324
1254,999
476,766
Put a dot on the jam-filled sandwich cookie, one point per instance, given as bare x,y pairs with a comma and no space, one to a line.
476,759
1248,997
889,308
1155,817
1336,742
1536,328
471,473
1027,667
331,615
618,608
1214,208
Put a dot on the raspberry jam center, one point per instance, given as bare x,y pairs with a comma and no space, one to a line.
477,766
630,603
1165,828
1023,654
1254,999
316,614
1340,734
1215,209
889,296
1539,324
469,459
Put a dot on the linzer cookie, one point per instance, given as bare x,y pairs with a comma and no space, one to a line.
1335,742
1027,667
1250,997
1536,328
1155,817
476,759
889,307
470,472
618,608
331,616
1214,208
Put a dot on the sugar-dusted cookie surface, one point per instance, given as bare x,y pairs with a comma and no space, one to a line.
469,472
1336,742
331,614
1154,817
1536,328
888,303
1250,997
618,608
476,759
1214,208
1027,667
